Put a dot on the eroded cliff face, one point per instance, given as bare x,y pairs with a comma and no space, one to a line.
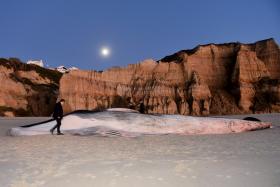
228,78
27,90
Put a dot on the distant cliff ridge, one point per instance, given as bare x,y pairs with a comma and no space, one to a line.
231,78
27,89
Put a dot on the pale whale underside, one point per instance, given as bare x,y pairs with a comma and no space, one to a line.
130,123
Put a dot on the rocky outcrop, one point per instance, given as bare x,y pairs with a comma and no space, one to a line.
230,78
27,90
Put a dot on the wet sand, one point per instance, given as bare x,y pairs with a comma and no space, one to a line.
245,159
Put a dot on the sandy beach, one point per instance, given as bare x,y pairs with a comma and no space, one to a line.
244,159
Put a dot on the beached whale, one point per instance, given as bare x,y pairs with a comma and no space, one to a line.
129,123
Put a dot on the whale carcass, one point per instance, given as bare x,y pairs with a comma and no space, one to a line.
129,123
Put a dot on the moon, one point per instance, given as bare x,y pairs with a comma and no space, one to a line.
105,52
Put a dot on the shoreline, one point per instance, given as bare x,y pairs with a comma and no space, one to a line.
241,159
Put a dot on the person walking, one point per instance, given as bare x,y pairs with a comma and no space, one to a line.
58,115
142,108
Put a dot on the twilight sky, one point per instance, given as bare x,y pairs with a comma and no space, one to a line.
72,32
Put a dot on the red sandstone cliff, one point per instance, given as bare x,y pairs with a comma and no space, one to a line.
27,90
230,78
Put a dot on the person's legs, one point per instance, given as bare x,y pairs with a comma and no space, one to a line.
58,126
54,127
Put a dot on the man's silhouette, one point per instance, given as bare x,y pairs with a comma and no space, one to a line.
142,108
58,115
